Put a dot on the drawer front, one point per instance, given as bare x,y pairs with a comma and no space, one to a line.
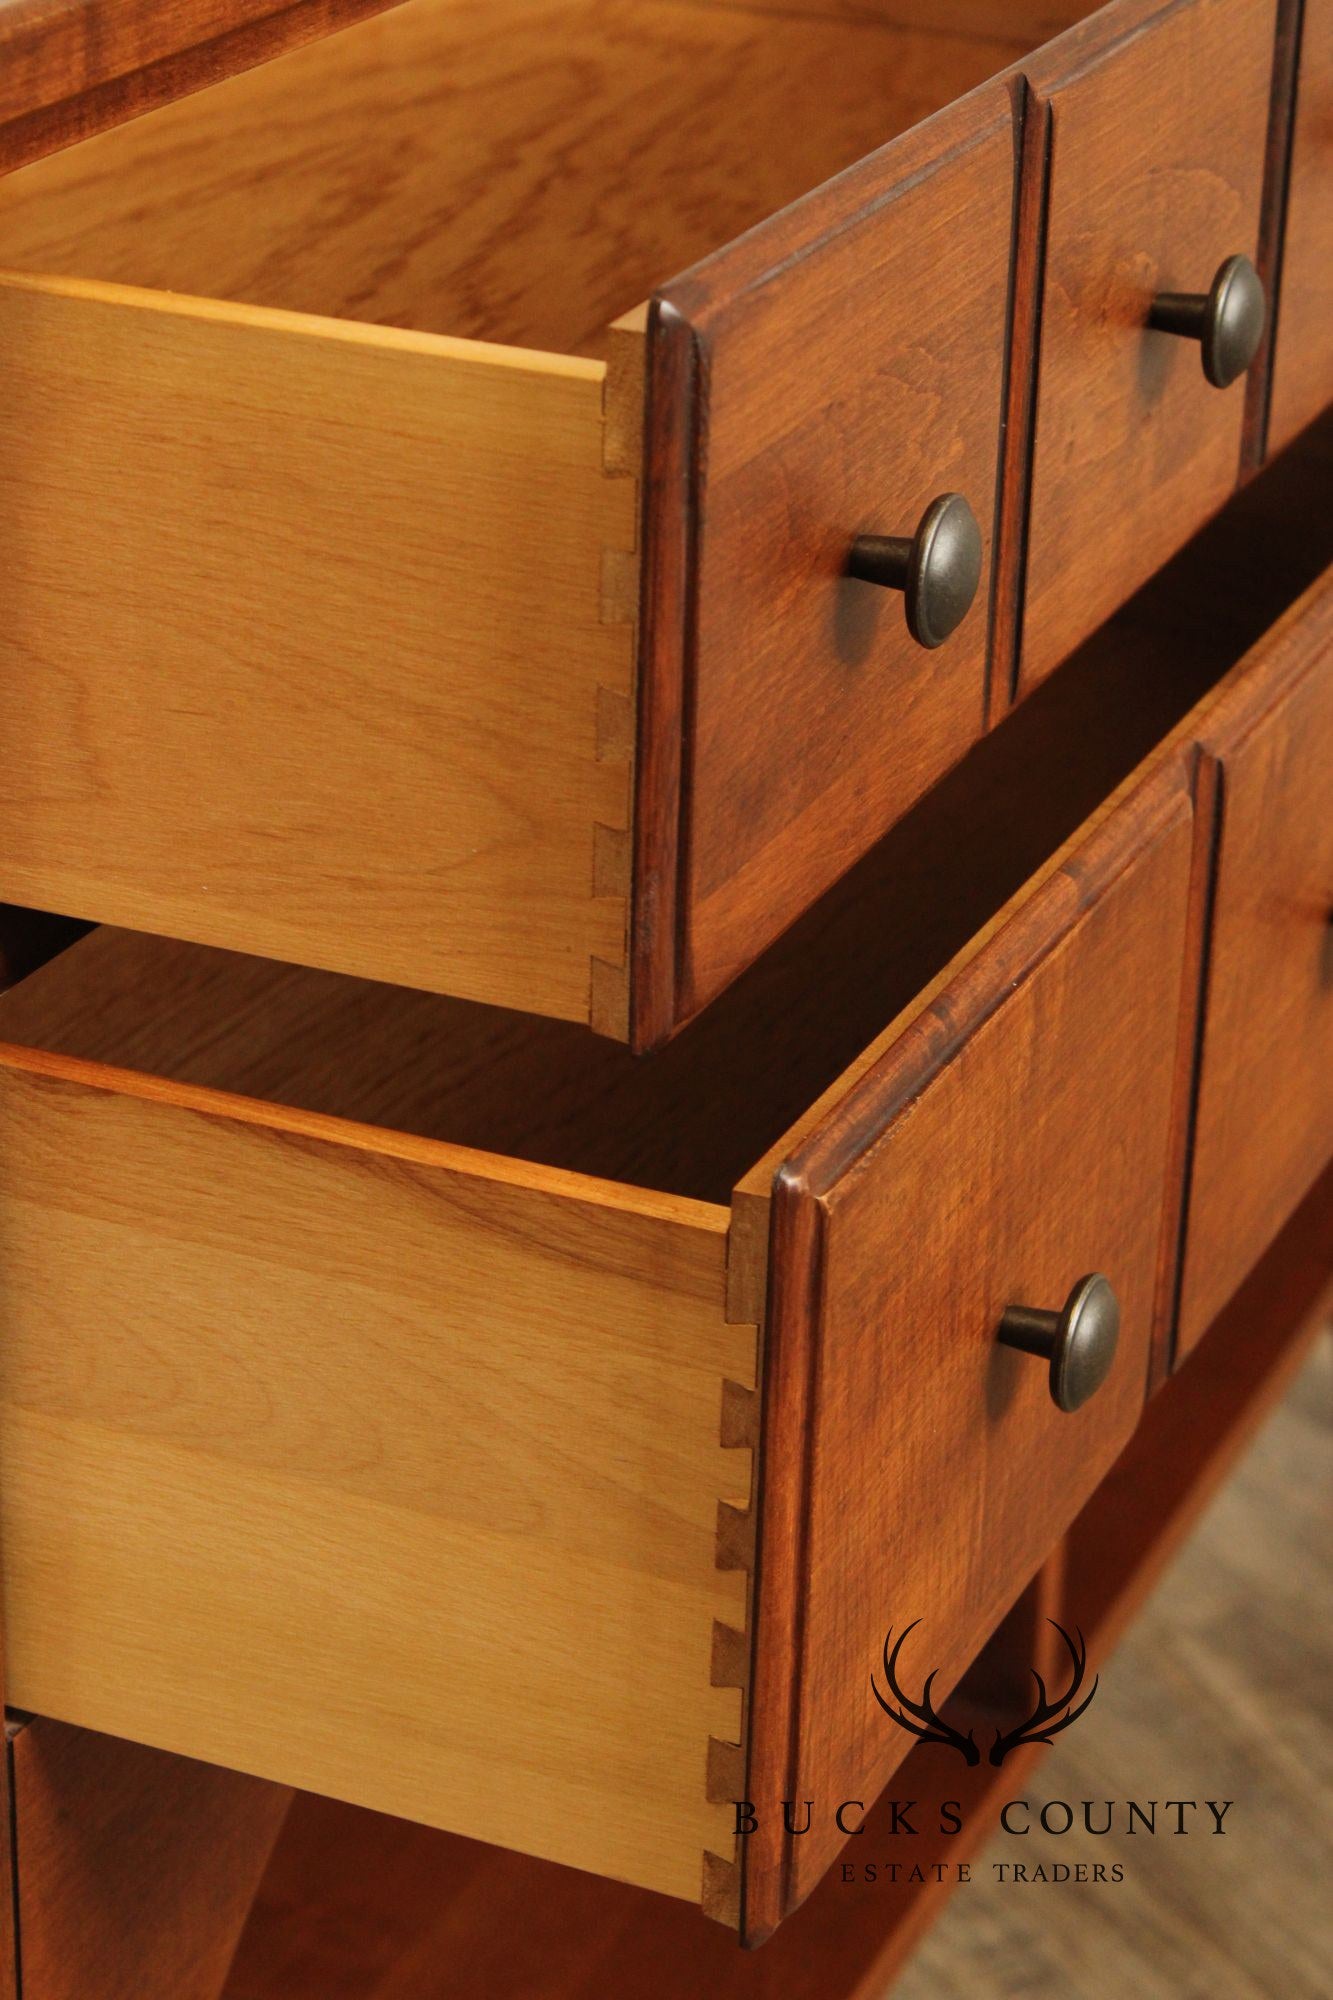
1156,159
1303,349
825,378
1264,1122
1013,1138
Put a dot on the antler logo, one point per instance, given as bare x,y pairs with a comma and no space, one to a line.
1047,1719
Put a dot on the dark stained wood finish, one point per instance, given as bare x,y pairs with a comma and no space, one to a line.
827,375
135,1871
1264,1123
1272,226
1009,1135
69,68
1157,157
1193,1432
1303,341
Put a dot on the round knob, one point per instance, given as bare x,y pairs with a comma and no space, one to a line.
938,568
1079,1341
1227,320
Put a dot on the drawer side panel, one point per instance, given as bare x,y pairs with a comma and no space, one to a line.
375,1477
308,643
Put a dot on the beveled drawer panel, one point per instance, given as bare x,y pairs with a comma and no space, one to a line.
1157,119
327,472
1011,1137
1264,1122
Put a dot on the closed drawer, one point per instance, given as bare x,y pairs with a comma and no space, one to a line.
1154,124
341,1453
1264,1120
1303,351
329,492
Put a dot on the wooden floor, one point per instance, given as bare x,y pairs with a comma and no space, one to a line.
1221,1690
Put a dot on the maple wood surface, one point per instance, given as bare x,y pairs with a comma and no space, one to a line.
70,67
1264,1125
359,1907
844,368
691,1123
1192,1432
1013,1138
134,1871
401,172
368,1465
1303,344
296,692
523,173
1157,147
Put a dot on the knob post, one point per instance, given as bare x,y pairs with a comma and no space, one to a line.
1227,320
938,569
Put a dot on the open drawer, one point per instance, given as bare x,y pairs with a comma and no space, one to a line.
341,1453
332,534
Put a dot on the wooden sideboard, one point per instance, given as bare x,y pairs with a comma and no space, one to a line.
604,899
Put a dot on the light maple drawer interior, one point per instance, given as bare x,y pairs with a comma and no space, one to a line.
324,466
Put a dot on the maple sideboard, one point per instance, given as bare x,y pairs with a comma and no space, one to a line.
669,966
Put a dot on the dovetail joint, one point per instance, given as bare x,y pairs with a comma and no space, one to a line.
614,720
726,1765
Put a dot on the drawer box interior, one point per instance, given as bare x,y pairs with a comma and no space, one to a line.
346,673
522,173
378,1386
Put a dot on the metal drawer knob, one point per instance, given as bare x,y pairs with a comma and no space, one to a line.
938,568
1227,320
1079,1341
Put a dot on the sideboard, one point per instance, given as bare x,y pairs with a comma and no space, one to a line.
670,938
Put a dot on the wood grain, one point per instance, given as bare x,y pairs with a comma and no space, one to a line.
357,1907
814,399
1272,227
71,67
1303,348
1157,156
1193,1432
1264,1120
325,684
723,1094
525,186
367,1465
893,1262
135,1870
